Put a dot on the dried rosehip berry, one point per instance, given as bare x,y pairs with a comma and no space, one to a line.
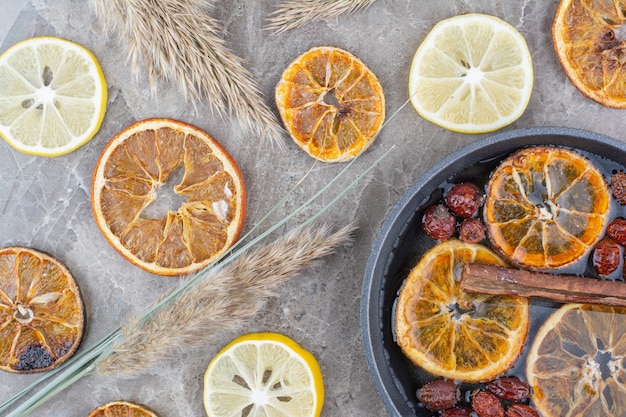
472,230
617,230
464,199
606,256
438,223
459,411
509,388
618,187
439,394
486,404
521,410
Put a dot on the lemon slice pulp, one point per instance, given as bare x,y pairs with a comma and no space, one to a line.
263,374
52,96
471,74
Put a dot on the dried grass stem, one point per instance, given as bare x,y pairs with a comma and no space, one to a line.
180,42
222,302
295,13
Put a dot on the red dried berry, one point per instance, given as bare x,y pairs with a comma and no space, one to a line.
617,230
618,187
459,411
438,223
486,404
521,410
465,199
606,256
509,388
439,394
472,230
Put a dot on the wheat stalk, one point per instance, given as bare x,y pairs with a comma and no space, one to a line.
296,13
179,41
222,303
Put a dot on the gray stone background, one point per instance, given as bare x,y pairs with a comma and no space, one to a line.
45,203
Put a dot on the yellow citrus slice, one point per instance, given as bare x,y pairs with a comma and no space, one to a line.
41,311
331,103
590,52
453,334
263,374
576,364
546,207
472,73
156,155
122,409
52,96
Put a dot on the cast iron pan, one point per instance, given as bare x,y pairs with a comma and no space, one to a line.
400,243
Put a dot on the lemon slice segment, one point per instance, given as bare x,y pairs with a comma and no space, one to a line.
52,96
472,74
263,374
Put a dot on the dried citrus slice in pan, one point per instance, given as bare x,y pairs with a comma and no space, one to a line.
263,374
592,54
576,363
331,103
52,96
473,73
122,409
453,334
546,207
145,161
41,311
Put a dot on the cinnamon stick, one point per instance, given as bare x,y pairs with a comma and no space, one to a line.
496,280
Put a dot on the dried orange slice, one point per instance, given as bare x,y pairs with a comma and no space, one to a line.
331,103
576,366
41,311
453,334
546,207
122,409
191,233
592,56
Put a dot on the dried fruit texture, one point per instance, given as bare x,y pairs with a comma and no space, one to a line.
460,411
509,388
546,208
122,409
617,230
464,199
606,257
331,104
132,168
521,410
472,230
485,404
618,187
41,311
434,319
565,362
438,223
592,56
440,394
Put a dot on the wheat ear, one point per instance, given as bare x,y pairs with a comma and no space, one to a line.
221,303
180,42
295,13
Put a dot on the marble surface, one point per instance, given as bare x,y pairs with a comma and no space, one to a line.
45,203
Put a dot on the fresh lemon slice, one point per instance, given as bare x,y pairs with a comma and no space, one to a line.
472,74
263,374
52,96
